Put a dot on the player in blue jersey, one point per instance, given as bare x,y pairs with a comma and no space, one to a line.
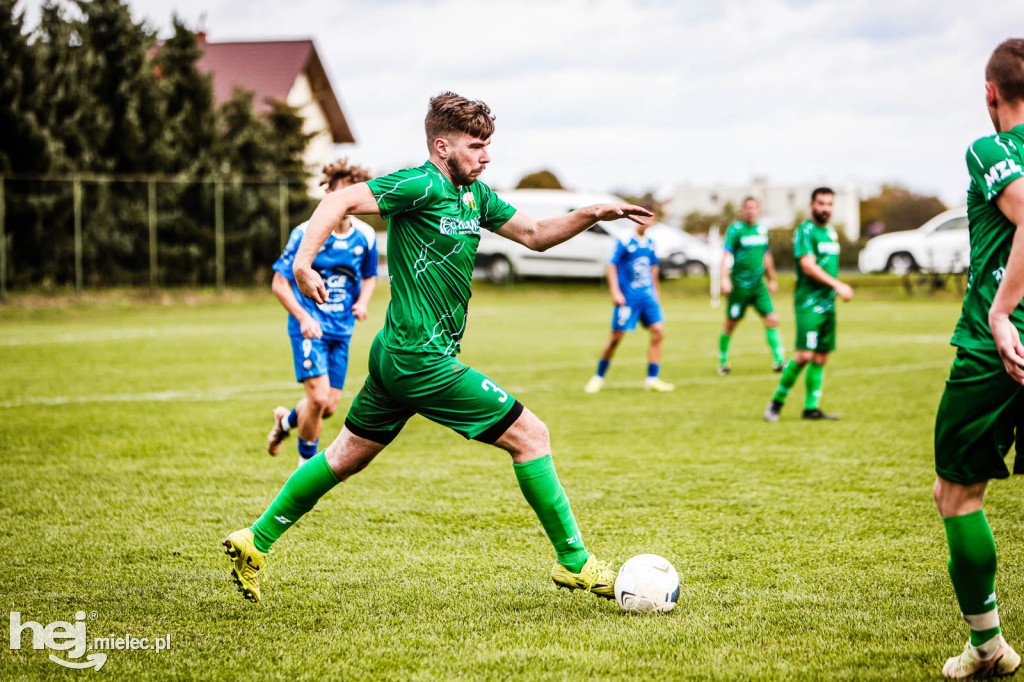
320,332
633,281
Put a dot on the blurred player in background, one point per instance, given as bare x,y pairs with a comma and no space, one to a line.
435,213
320,332
983,403
816,249
747,242
633,281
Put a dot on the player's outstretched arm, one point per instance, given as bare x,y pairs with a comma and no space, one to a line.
815,271
540,235
1011,287
352,200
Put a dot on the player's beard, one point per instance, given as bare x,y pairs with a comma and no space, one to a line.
459,176
821,217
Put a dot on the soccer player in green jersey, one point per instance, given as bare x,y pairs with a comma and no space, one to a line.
435,213
747,242
816,248
983,403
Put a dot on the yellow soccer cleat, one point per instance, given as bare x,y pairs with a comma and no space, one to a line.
658,386
246,562
594,385
969,665
278,433
595,576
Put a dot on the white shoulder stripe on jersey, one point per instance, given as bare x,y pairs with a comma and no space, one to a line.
380,197
1000,143
366,231
976,154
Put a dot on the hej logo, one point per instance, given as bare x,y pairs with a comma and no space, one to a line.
59,636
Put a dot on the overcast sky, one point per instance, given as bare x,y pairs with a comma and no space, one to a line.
651,94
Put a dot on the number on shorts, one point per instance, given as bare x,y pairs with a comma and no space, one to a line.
307,347
734,311
624,312
489,385
812,340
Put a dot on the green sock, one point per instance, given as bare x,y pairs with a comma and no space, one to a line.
815,378
300,493
775,343
790,373
723,348
541,488
972,567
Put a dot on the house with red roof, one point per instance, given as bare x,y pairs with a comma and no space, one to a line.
286,70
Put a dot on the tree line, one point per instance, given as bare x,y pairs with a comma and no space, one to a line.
89,92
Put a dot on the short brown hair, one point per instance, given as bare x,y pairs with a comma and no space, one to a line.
1005,69
342,171
821,190
450,113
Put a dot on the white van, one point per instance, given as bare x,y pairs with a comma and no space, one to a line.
585,255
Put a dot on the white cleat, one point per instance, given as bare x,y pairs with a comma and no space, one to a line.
969,665
594,385
658,386
278,433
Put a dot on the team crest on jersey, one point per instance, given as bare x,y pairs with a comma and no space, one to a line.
358,251
469,199
451,226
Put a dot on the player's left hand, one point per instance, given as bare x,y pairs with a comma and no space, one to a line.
1011,351
616,211
360,311
773,286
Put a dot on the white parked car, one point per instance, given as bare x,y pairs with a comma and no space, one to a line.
585,255
940,245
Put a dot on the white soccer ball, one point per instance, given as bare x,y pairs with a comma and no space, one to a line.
647,583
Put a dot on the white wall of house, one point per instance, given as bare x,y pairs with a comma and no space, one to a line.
320,149
779,203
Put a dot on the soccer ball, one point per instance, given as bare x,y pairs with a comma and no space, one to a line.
647,583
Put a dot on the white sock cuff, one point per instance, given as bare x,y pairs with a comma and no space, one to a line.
983,621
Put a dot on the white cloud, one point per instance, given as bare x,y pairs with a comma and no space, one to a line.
638,94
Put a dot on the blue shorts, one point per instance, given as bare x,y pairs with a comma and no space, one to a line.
317,357
646,310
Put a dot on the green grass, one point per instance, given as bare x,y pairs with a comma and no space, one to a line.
131,442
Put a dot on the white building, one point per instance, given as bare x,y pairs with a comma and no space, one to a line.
780,204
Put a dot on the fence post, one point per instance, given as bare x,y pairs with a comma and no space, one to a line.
152,237
218,208
282,197
76,185
3,243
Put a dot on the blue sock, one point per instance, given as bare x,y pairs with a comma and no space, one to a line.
652,370
307,448
602,367
293,419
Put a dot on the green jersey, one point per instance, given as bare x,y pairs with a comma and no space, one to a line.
822,242
993,163
747,244
433,234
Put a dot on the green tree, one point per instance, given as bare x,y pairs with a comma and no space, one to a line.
542,179
897,208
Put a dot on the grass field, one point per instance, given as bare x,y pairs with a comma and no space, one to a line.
132,440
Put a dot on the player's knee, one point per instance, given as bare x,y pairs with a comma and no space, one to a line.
332,404
319,402
771,320
657,333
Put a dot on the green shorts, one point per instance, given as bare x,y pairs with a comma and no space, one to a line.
980,410
741,297
816,331
439,387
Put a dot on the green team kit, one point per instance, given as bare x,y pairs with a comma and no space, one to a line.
433,234
981,406
748,245
815,301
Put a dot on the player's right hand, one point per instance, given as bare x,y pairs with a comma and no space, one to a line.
311,328
310,284
726,286
618,298
845,291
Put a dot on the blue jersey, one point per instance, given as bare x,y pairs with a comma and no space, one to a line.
633,259
343,262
